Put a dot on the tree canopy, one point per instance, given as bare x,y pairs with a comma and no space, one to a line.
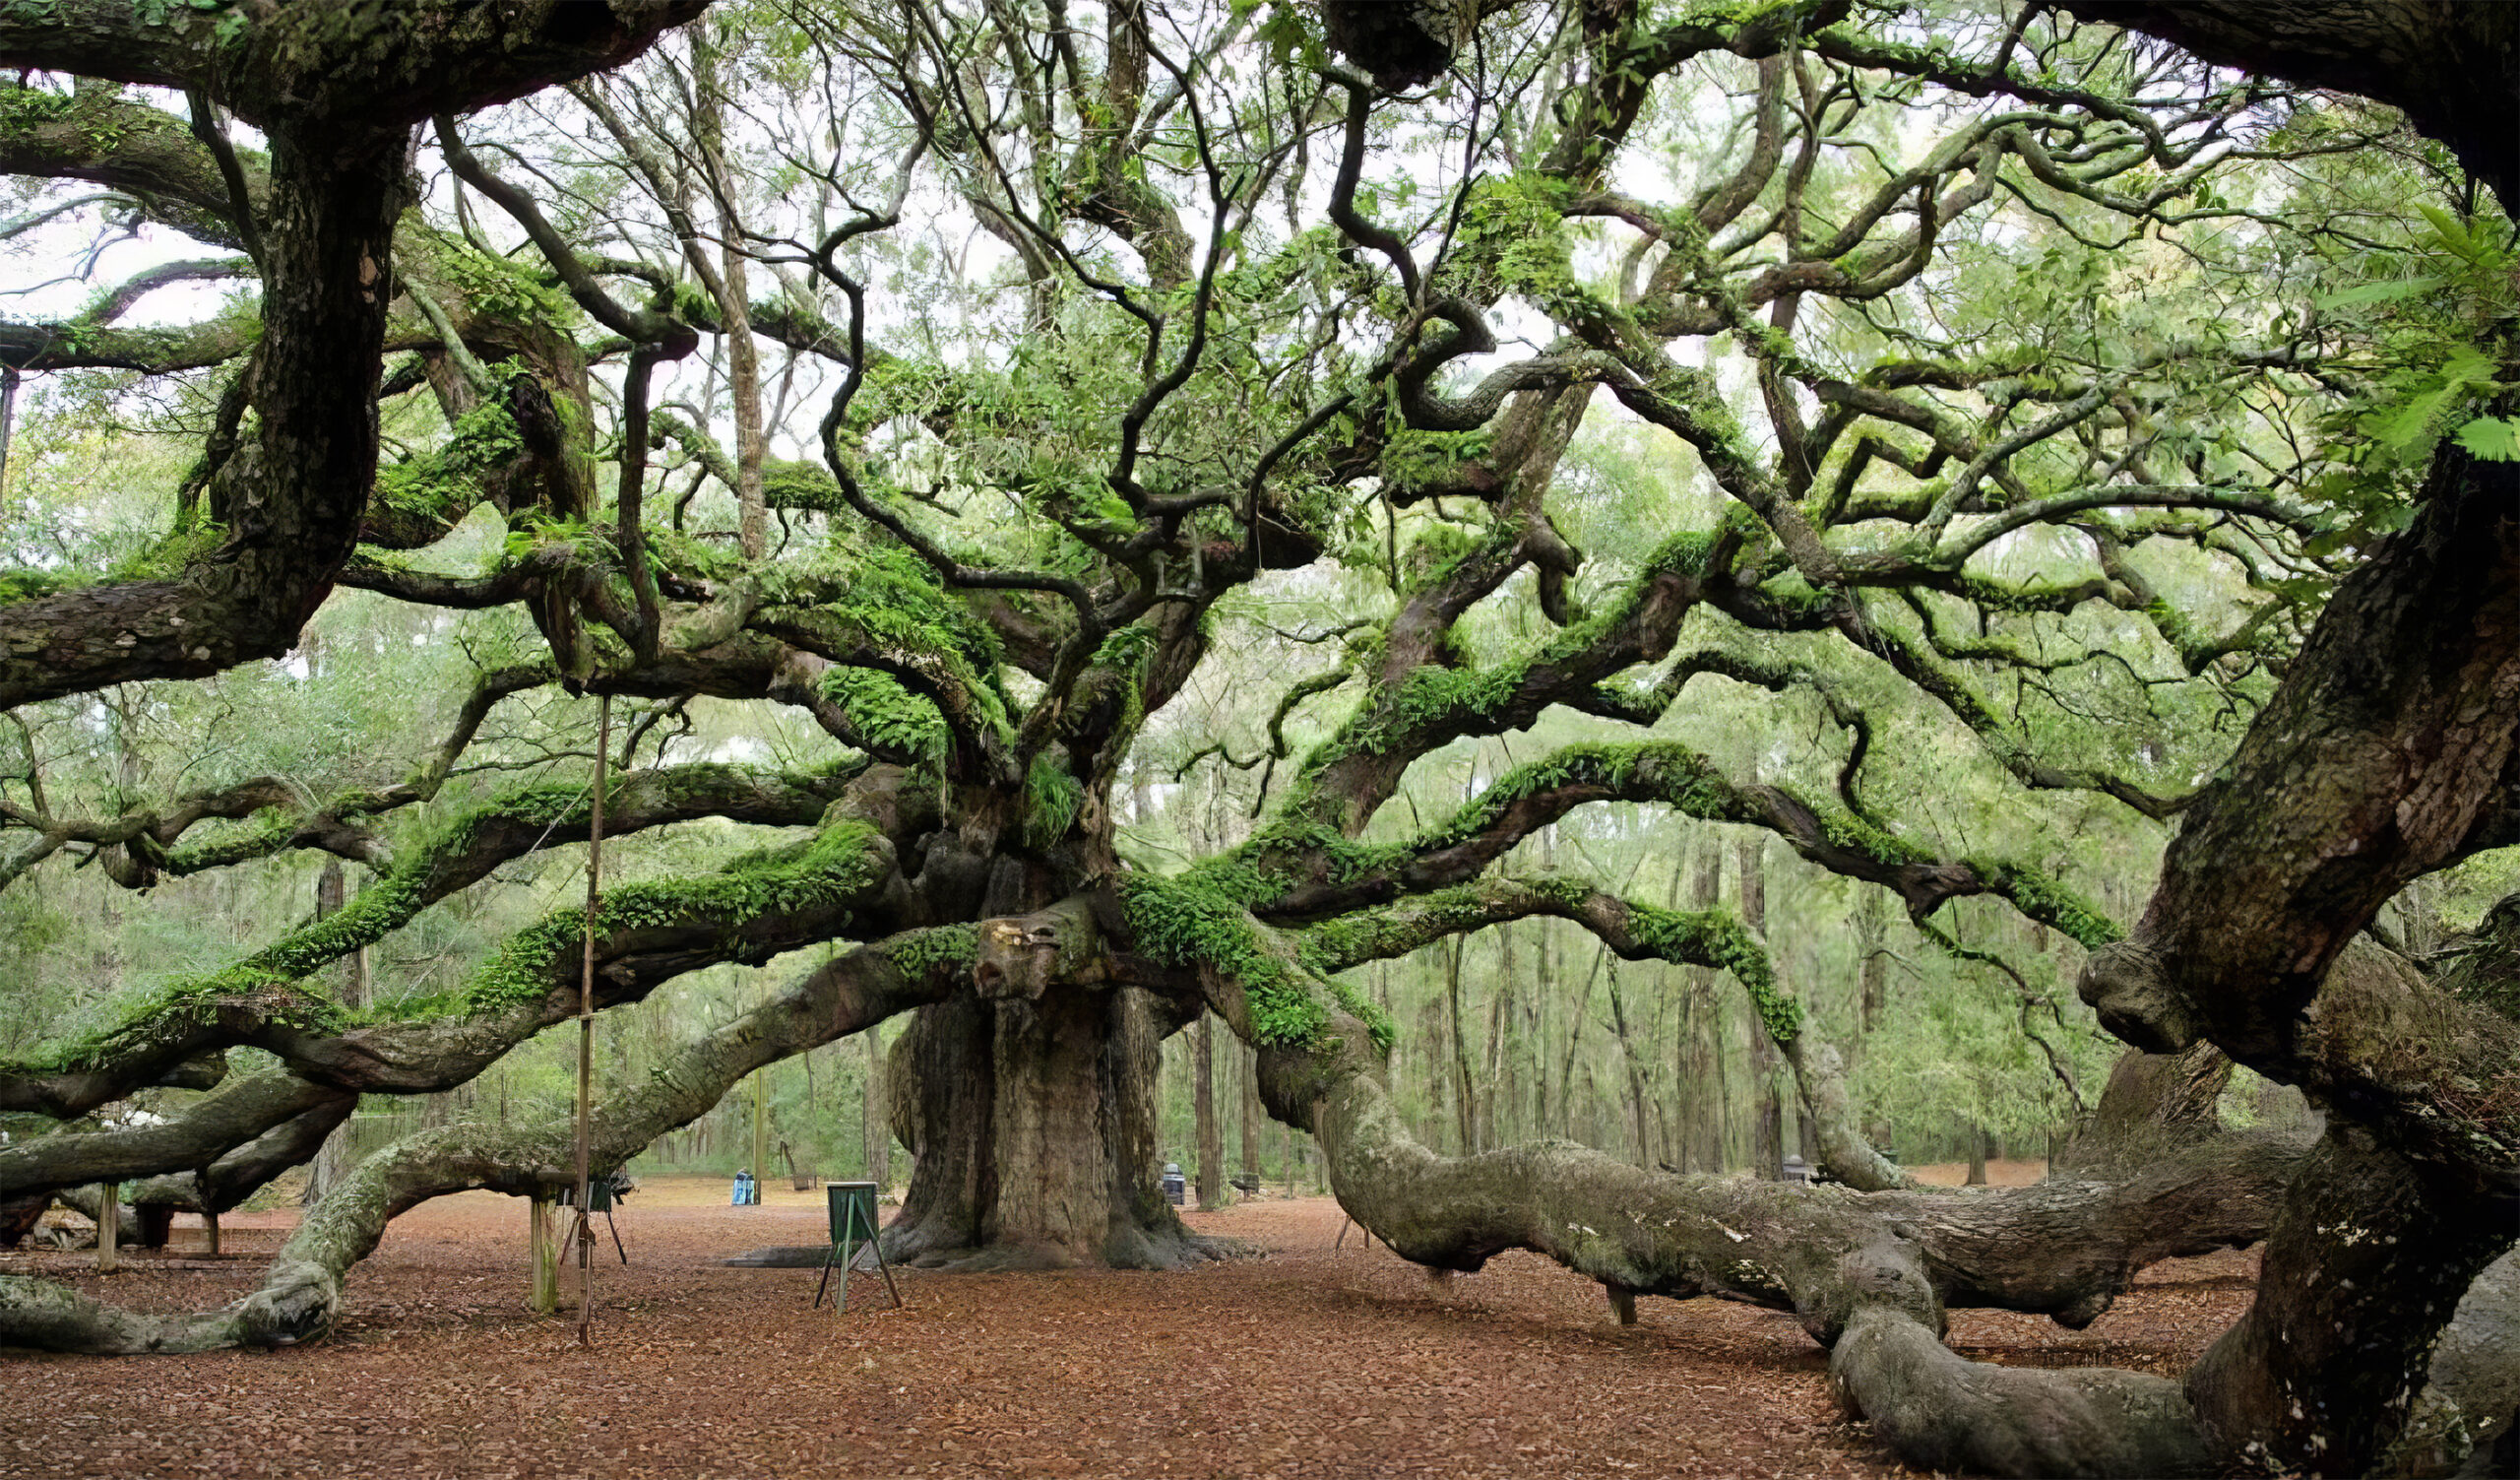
1972,447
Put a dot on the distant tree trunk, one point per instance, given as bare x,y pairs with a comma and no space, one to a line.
1203,1111
1465,1106
542,1294
331,889
1977,1155
1495,1092
814,1117
1647,1151
1575,1025
1253,1114
1701,1097
1873,974
1536,1013
1767,1144
875,1119
108,1227
761,1124
734,309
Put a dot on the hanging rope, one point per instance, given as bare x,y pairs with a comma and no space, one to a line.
585,1235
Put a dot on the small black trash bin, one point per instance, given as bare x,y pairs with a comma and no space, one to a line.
1176,1189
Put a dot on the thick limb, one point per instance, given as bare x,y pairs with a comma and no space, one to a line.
238,1111
1869,1275
257,1001
300,1297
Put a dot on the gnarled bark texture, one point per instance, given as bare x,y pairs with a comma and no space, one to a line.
1030,1103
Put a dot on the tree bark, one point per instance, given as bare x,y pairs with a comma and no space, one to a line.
876,1116
1648,1149
2367,1262
1465,1104
1253,1114
2453,68
2154,1104
1767,1065
1203,1111
1034,1122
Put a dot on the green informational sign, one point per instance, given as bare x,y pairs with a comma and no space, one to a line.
853,1210
854,1233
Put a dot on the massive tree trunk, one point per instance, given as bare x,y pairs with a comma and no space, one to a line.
1030,1102
2390,750
1034,1124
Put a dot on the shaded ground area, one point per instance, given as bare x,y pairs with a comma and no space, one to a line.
1311,1362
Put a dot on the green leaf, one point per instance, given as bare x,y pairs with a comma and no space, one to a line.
2456,236
2381,293
2468,366
2401,427
2496,439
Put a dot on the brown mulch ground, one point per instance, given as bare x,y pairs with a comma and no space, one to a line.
1309,1362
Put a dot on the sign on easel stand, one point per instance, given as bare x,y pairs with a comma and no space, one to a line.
853,1234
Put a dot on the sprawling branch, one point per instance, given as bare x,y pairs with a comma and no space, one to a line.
2453,69
325,63
236,1114
301,1295
1305,876
1869,1277
2390,750
144,154
752,909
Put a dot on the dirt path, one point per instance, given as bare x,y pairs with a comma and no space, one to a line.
1307,1363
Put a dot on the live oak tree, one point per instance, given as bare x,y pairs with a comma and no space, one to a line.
2022,385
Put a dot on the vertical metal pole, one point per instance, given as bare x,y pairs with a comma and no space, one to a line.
586,1022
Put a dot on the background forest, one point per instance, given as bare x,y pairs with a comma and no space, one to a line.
1527,1029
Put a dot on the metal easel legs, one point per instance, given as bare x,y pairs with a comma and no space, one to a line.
847,1259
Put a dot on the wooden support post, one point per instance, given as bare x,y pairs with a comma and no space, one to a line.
543,1298
108,1226
1622,1302
209,1225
